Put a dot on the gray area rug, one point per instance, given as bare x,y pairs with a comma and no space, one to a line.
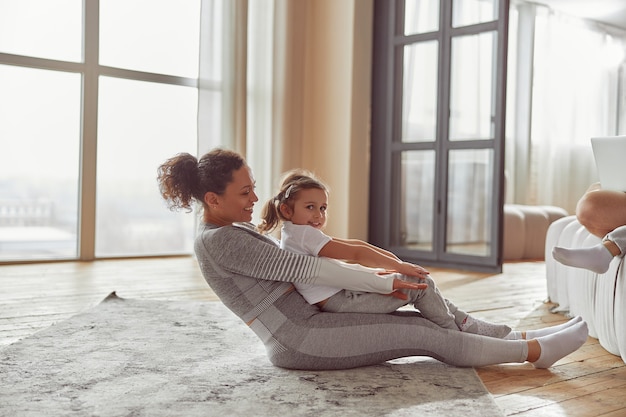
127,357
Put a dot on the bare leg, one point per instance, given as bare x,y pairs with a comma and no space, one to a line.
534,350
603,214
601,211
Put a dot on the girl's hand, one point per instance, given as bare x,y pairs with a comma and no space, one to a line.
412,270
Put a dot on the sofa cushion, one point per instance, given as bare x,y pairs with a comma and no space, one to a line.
525,229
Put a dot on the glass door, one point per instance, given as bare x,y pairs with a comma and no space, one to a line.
438,130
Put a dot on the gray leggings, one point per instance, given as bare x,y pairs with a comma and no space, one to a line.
429,302
298,335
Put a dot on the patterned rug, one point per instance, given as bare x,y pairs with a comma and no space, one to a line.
129,357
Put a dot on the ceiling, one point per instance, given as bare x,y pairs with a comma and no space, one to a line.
611,12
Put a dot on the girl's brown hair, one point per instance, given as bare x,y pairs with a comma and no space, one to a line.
293,181
183,179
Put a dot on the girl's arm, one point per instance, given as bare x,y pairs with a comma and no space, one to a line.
369,255
245,253
369,245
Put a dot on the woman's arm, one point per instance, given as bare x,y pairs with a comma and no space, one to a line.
236,250
369,255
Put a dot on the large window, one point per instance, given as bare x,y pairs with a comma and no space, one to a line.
566,84
438,130
93,97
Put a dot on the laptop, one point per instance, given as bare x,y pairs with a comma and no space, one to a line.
610,155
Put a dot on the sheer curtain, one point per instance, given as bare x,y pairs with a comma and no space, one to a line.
251,55
563,89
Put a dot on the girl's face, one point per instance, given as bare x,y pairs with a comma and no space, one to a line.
237,202
309,208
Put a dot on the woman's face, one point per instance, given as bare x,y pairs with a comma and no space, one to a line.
236,204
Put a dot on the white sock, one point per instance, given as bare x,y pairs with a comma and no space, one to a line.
595,258
557,345
473,325
533,334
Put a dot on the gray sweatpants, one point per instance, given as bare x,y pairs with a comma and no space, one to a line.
429,302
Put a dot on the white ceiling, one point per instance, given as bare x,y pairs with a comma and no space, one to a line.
611,12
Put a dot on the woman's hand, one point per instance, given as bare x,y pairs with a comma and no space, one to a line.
399,284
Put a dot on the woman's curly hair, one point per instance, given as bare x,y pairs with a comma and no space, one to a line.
183,179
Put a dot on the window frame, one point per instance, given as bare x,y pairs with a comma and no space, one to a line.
387,148
90,71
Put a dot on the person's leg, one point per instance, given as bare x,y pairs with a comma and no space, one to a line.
346,301
429,302
432,305
533,334
595,258
557,345
304,338
471,324
601,211
438,309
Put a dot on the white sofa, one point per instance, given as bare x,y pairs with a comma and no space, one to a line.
599,298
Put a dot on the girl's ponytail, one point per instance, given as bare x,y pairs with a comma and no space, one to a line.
269,216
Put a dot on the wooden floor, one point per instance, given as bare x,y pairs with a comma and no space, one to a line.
590,382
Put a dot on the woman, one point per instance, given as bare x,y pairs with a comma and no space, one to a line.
253,278
603,213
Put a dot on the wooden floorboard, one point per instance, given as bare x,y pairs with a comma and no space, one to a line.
590,382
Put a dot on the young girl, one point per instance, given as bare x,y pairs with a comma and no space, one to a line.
301,207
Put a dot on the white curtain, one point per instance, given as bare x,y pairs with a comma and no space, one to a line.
250,83
563,89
